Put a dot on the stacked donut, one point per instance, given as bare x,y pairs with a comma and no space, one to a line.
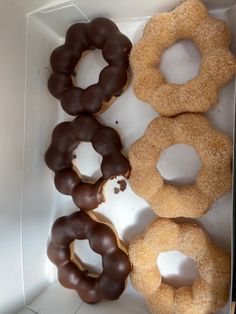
182,121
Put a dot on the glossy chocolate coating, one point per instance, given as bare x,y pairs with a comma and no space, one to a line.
59,156
100,33
116,266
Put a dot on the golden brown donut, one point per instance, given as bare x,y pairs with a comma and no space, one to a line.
213,180
190,20
209,291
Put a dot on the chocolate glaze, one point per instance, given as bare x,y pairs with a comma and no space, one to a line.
122,184
116,266
100,33
59,156
116,190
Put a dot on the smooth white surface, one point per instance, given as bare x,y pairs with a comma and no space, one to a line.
173,58
179,164
87,256
183,272
55,300
94,61
137,8
11,157
58,300
41,202
88,161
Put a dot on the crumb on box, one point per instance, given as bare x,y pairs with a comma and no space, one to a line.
122,184
122,187
116,190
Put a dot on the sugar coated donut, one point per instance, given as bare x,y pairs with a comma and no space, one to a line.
213,180
100,33
209,291
59,157
71,273
190,20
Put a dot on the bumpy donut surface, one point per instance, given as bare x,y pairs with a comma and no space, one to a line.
209,291
100,33
213,180
59,157
190,20
116,266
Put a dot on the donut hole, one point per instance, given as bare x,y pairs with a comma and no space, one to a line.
180,62
86,257
88,68
88,161
177,269
179,165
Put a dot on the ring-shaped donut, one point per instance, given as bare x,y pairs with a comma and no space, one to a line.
100,33
190,20
71,273
214,177
209,291
59,157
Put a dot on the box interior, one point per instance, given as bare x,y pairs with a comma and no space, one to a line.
42,204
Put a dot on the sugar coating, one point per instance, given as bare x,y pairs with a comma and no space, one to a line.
213,180
190,20
209,291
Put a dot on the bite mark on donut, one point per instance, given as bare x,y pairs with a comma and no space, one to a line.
66,136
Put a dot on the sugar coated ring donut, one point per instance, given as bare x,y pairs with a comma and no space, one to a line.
189,20
59,156
100,33
116,266
209,291
213,180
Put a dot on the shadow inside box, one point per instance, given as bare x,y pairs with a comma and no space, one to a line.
127,303
185,277
180,220
93,177
144,218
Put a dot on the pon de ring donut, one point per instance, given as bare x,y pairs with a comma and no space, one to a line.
116,266
66,136
209,291
100,33
213,180
212,37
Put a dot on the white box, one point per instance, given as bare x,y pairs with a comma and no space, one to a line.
30,30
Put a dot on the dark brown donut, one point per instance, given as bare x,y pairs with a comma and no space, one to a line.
100,33
59,156
116,266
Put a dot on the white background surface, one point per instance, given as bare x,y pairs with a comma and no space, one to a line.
41,203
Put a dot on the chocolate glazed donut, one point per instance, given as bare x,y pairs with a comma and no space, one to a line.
100,33
59,156
116,266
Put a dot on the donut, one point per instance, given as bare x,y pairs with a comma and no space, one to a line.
213,180
190,20
90,287
209,291
59,157
100,33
